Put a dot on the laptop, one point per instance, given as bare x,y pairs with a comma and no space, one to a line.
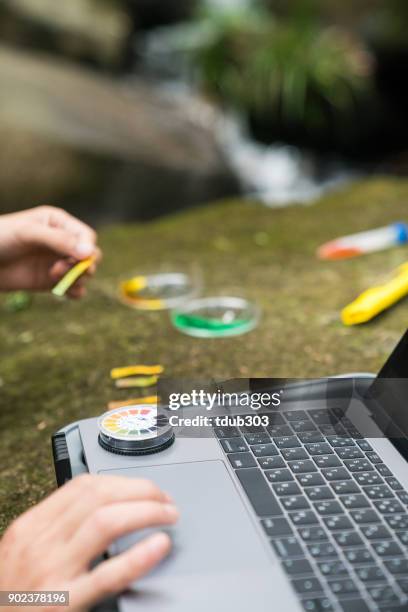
307,510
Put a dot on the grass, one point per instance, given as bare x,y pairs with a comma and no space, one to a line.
56,356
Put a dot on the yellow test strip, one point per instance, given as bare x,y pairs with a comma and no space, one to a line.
71,276
136,370
150,399
139,382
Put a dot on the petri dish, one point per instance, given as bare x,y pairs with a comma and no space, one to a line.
135,430
157,291
216,317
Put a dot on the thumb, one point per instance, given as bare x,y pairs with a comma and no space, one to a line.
58,240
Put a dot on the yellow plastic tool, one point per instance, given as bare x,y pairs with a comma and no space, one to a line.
139,382
71,276
377,299
136,370
150,399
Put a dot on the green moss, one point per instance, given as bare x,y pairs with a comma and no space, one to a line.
56,356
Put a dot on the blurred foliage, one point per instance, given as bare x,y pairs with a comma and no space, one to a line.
292,67
389,23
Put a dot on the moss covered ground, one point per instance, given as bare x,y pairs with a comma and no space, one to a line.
56,356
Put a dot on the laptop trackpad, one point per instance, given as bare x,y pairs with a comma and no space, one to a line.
214,533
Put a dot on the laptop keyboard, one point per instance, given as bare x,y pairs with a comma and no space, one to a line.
334,513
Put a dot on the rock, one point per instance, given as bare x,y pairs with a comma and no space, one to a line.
89,143
93,30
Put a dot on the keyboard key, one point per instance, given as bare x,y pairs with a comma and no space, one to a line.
364,445
287,548
387,549
333,430
339,522
307,585
344,487
270,463
296,415
371,574
293,454
287,442
277,527
257,438
398,521
403,537
322,416
241,460
403,496
313,534
376,532
383,470
319,493
347,539
264,450
383,594
328,507
358,465
351,452
327,461
294,567
368,478
388,506
359,556
397,566
311,437
336,474
259,493
340,442
343,586
317,605
280,475
322,550
234,445
280,430
310,479
378,492
354,501
287,488
403,585
302,467
303,426
374,458
332,568
303,517
295,502
275,418
321,448
394,483
227,432
354,605
365,516
251,429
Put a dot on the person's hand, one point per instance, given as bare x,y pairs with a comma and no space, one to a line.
38,246
51,546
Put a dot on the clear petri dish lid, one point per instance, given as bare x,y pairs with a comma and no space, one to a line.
216,317
160,291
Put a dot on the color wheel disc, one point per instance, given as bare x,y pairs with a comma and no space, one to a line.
135,430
